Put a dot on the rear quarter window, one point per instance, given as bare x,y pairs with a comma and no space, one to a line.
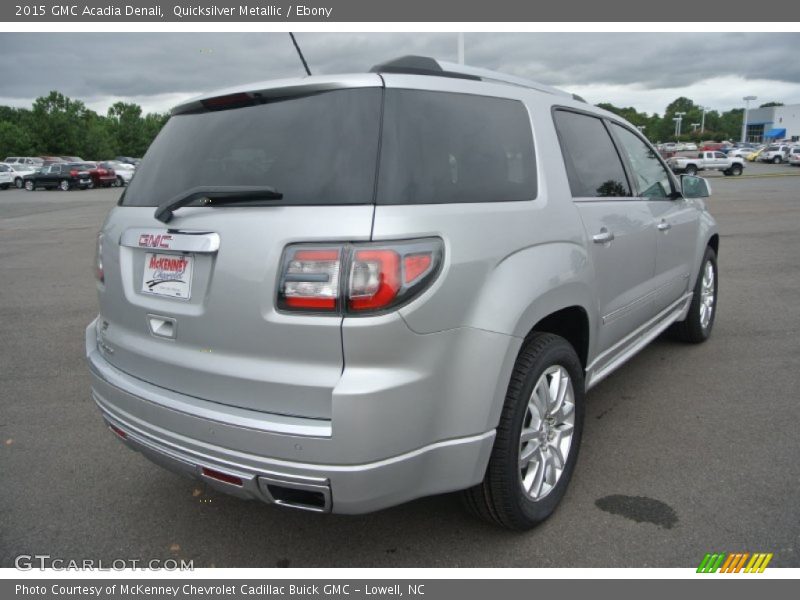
442,147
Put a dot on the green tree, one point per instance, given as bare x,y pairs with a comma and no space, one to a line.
14,140
56,123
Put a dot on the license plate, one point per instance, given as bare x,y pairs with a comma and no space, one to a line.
168,275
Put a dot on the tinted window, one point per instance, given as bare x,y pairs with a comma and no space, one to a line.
318,149
593,166
652,179
443,147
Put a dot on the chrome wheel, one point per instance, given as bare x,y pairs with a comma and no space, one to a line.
547,431
707,295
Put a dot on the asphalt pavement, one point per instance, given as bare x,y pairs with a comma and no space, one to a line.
686,450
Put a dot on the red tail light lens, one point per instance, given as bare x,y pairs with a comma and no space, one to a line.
378,277
310,279
73,173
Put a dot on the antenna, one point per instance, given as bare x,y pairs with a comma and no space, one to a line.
300,54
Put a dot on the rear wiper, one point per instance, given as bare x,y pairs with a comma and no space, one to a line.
216,196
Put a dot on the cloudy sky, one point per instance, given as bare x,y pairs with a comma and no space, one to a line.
644,70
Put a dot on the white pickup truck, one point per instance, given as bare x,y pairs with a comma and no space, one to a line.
706,161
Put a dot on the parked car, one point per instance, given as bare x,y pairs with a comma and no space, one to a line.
19,171
690,146
102,175
128,160
70,159
775,153
742,152
124,172
707,161
63,176
6,176
753,156
327,327
794,156
23,160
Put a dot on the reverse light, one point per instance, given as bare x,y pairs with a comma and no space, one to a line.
99,272
358,278
310,279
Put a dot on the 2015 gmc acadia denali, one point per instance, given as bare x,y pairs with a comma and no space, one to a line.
339,293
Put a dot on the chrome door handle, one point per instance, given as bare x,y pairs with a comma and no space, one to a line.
664,226
603,237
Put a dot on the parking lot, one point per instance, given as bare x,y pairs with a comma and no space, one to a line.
686,450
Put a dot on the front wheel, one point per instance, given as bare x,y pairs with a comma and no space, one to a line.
776,160
537,440
63,185
691,170
29,185
736,170
696,328
118,182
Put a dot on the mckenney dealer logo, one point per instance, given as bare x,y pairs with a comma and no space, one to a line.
734,562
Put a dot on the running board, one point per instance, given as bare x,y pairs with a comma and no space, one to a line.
613,358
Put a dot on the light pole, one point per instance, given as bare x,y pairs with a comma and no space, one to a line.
678,119
695,126
703,119
747,100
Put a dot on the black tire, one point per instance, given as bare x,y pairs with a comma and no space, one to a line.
29,185
736,170
727,172
18,183
119,182
691,330
64,185
777,160
500,498
691,170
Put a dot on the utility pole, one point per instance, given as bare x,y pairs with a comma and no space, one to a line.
747,100
461,48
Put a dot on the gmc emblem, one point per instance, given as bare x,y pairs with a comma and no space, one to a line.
149,240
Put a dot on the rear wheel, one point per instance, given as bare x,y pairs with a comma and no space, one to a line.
5,186
736,170
29,186
776,160
63,185
691,170
18,183
537,440
118,182
696,328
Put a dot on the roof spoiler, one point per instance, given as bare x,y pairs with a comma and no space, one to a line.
425,65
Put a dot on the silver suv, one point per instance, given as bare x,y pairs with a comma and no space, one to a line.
340,293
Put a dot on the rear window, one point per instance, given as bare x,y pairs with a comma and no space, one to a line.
435,147
441,147
318,149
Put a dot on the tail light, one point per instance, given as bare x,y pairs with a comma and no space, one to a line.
73,173
357,278
98,259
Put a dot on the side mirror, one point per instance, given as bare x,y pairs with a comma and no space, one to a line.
695,187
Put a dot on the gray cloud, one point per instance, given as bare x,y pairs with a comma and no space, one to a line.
94,66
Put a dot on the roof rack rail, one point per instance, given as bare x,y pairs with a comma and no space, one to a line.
425,65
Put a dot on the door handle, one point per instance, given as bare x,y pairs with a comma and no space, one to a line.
664,226
605,236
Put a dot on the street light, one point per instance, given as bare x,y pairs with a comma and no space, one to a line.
695,126
703,119
678,119
747,100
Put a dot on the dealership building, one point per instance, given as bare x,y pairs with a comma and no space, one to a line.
774,123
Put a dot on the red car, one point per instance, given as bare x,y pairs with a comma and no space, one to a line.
102,174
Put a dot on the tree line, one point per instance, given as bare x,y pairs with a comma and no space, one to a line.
57,125
60,126
716,126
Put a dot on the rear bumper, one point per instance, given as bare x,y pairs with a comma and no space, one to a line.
188,435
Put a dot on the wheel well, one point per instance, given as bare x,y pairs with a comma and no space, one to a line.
714,243
572,324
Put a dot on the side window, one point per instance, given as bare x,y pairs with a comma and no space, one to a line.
652,179
55,169
593,166
719,155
